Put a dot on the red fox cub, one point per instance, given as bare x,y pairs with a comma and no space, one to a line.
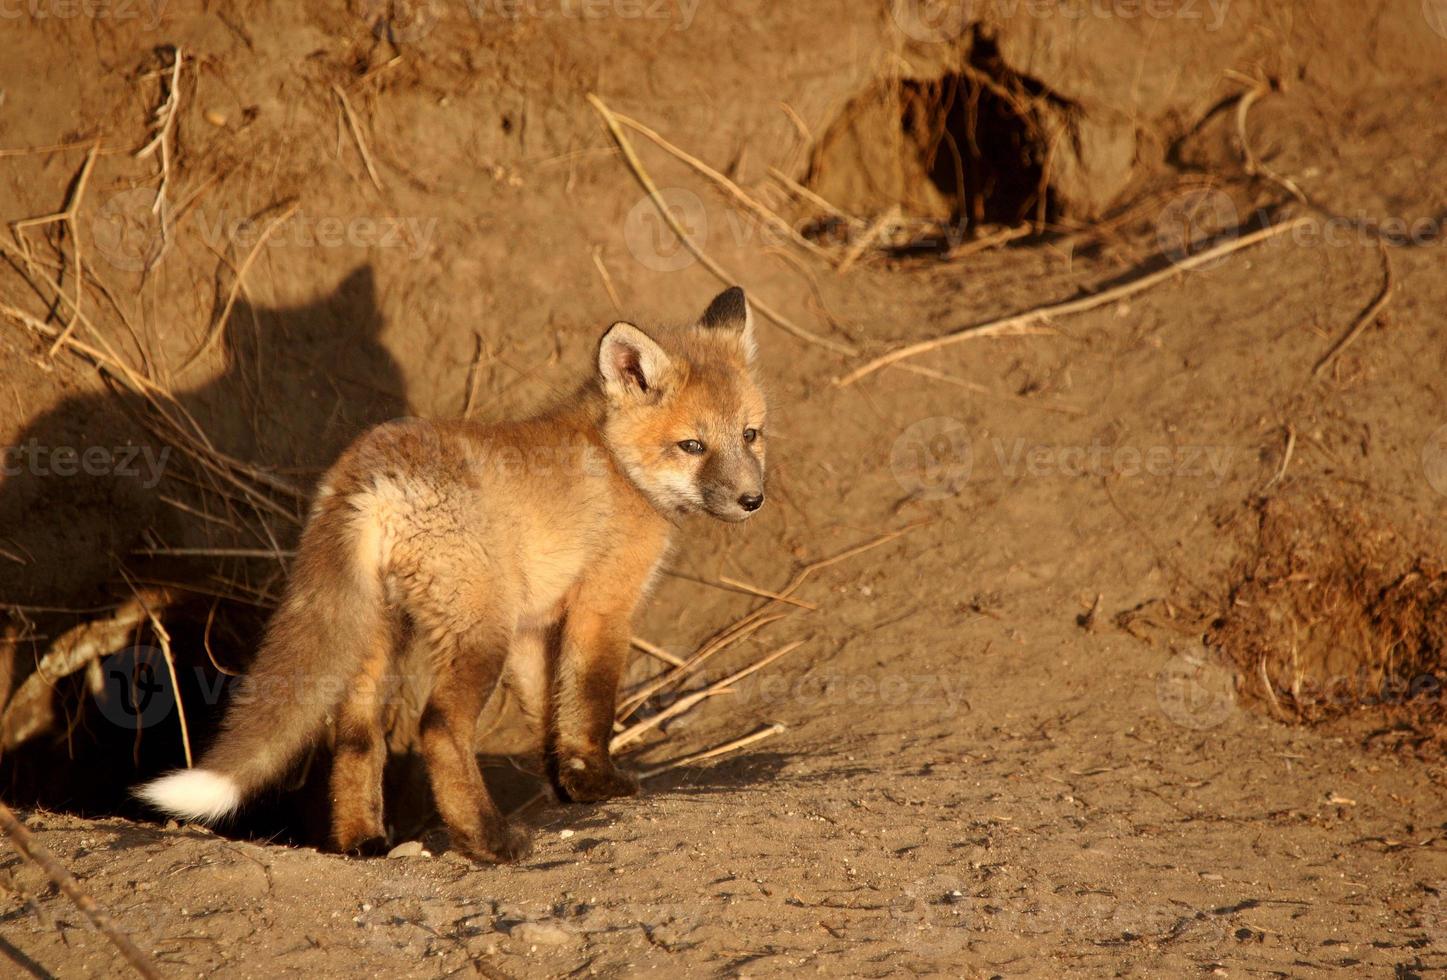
471,538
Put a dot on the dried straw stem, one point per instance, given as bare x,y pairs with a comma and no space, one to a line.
1362,322
729,187
39,855
733,745
1028,321
722,274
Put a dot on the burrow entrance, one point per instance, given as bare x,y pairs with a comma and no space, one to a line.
972,147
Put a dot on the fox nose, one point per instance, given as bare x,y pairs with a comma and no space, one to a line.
751,501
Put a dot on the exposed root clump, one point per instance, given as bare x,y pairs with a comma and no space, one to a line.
1334,611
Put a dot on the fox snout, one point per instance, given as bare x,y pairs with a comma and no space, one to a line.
732,488
739,509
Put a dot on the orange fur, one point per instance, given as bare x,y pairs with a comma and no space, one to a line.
482,541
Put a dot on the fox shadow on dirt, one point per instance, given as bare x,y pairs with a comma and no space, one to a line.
93,505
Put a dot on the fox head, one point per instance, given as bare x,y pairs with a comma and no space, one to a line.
685,416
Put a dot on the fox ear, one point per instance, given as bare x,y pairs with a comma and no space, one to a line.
730,311
631,362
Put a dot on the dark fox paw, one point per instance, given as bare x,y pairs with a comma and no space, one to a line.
359,839
502,844
591,780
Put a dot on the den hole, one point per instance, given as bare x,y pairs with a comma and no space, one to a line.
969,150
985,145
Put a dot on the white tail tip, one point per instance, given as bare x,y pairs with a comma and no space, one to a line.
196,794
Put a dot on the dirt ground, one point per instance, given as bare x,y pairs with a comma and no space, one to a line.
1007,749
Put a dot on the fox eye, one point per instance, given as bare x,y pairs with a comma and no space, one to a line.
750,434
692,446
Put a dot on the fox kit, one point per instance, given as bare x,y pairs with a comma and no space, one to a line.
471,539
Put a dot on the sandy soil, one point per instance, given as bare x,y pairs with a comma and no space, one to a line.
1007,751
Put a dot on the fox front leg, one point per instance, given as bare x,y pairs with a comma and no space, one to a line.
594,653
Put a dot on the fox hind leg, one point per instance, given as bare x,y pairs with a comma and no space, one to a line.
464,682
361,753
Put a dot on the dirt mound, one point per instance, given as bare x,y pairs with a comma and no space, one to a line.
1332,611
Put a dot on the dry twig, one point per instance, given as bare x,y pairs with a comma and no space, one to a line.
867,238
1365,320
39,855
722,274
805,194
164,638
68,217
1020,323
1253,165
733,745
357,135
29,711
734,583
218,326
657,652
1285,458
755,620
729,187
637,730
607,279
164,121
474,375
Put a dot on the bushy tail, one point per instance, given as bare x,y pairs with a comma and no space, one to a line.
331,616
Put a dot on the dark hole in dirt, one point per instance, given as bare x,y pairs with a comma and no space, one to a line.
120,723
964,151
984,143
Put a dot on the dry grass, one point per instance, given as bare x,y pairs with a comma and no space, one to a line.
1331,611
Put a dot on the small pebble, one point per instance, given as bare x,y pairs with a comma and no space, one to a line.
542,934
409,849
